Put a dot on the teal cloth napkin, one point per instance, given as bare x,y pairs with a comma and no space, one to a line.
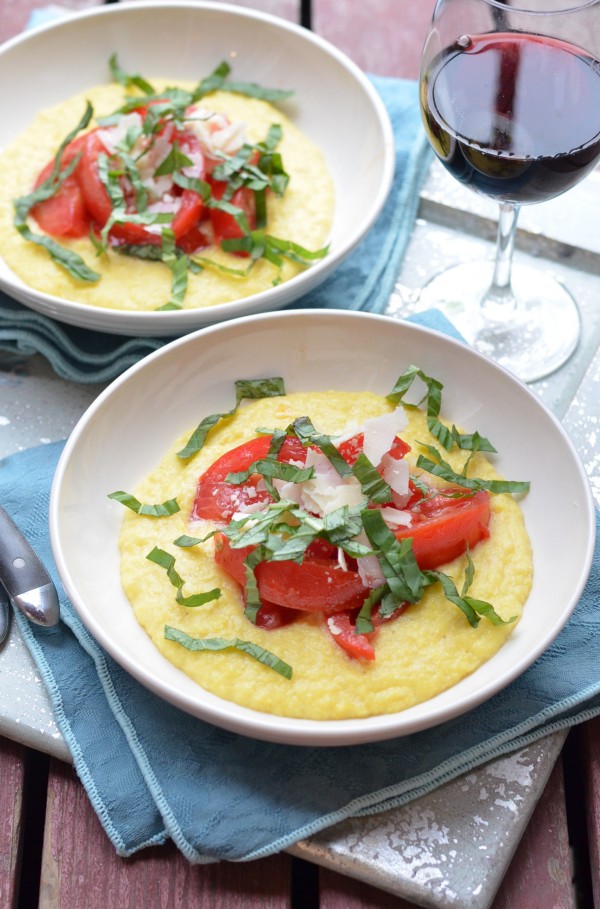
153,772
364,281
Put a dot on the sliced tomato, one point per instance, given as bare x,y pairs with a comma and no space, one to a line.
96,198
443,527
224,225
188,213
316,585
218,500
63,214
342,629
352,447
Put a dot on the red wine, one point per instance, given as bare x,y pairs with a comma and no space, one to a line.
514,116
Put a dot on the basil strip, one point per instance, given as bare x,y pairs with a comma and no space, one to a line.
472,608
253,601
196,441
304,430
216,81
126,79
215,644
398,564
440,468
364,622
163,510
177,263
371,482
273,469
253,389
167,561
175,161
70,261
244,389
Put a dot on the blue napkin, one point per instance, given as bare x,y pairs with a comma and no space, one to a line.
364,280
153,772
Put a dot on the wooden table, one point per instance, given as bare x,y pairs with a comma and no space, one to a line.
53,852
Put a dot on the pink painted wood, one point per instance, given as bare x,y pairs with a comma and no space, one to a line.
12,775
80,869
382,36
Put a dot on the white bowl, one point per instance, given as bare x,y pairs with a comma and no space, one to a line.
127,430
334,104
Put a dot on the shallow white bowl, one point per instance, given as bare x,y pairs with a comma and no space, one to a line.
127,430
334,104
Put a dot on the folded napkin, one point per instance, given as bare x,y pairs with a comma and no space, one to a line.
364,280
153,772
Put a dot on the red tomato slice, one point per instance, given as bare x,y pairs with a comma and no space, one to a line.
341,628
188,214
218,500
316,585
443,527
351,448
224,225
96,198
65,213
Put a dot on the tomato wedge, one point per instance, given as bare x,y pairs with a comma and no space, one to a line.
317,584
224,225
443,527
218,500
64,214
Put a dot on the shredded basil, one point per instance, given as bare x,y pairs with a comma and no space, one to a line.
167,561
162,510
437,466
244,389
268,659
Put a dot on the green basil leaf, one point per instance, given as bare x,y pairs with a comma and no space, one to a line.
364,622
440,468
253,389
126,79
472,608
268,659
371,482
304,430
397,560
70,261
163,510
167,561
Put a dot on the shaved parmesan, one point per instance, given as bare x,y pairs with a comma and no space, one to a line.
370,571
396,474
380,432
396,517
327,492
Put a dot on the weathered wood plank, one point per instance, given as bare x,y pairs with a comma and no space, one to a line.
12,774
382,36
541,872
590,739
80,869
338,892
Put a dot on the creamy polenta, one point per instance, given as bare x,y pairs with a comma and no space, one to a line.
302,215
429,648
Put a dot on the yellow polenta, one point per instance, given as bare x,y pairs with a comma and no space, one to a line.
304,214
428,649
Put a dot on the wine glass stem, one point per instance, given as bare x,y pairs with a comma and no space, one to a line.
499,302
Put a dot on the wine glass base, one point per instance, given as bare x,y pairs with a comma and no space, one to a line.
531,340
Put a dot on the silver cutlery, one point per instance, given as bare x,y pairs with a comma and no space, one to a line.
27,583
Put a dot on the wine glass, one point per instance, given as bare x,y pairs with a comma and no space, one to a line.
510,98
